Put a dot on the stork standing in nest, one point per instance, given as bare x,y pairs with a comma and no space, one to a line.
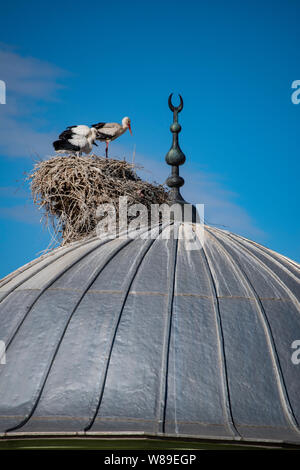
77,139
108,131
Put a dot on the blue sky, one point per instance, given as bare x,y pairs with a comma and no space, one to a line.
68,63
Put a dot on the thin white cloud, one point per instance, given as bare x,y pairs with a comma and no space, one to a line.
24,213
221,205
29,82
19,139
13,192
29,77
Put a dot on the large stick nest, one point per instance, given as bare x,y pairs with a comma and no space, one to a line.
68,190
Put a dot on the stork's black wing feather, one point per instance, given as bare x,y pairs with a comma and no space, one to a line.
101,136
65,145
66,135
98,125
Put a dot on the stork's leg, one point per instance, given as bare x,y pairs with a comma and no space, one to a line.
106,150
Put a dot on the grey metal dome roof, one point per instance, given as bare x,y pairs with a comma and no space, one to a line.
146,336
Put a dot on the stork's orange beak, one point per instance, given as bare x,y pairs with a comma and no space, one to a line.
129,127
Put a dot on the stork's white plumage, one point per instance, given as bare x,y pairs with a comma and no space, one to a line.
108,131
78,139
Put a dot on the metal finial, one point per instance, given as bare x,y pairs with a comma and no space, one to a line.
175,157
177,108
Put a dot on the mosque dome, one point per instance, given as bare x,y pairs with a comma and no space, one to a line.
148,336
145,335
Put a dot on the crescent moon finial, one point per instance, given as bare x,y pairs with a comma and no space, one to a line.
175,108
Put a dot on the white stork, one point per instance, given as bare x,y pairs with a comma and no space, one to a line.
76,139
108,131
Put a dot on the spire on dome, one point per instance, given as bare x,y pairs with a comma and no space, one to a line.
175,157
